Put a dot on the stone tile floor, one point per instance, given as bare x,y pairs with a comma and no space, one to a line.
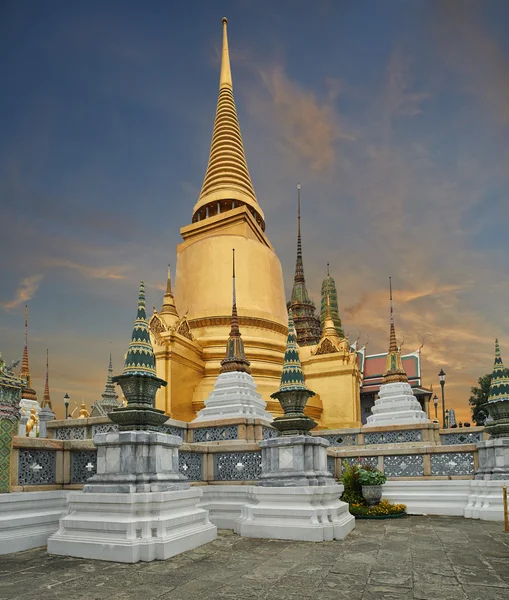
424,558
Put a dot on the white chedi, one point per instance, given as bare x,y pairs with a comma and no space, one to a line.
396,405
234,396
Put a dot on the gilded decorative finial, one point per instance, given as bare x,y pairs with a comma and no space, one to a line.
46,400
28,392
328,274
225,79
235,359
394,371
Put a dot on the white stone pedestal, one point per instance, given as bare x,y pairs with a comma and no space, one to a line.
234,395
396,405
493,459
485,500
295,460
307,513
130,528
45,415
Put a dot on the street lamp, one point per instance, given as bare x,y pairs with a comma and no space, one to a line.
441,376
435,402
66,403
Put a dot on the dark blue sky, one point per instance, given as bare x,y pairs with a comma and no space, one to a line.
393,114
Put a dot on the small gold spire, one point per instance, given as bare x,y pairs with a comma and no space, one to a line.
394,371
168,306
329,329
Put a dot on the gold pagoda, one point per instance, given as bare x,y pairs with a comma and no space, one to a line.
190,331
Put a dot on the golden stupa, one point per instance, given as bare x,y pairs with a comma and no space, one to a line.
190,331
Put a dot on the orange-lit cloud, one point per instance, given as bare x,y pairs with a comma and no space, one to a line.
25,292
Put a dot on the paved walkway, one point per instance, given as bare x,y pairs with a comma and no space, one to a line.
417,557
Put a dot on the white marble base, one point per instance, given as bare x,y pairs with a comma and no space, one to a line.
224,503
447,497
132,527
396,405
308,513
485,500
234,395
27,519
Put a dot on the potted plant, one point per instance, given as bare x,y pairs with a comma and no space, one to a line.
371,481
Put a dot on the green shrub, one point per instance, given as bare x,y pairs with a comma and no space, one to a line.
370,477
353,489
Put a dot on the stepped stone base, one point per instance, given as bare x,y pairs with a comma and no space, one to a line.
396,405
295,460
493,459
234,395
307,513
130,528
485,500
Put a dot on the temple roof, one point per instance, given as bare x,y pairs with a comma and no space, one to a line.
372,368
227,176
140,358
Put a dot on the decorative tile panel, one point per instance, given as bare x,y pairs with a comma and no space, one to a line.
448,439
69,433
342,439
216,434
237,466
170,430
452,463
393,437
371,461
405,465
8,429
37,467
83,465
331,461
106,428
269,433
191,465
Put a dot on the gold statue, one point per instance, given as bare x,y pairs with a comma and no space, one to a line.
84,414
32,421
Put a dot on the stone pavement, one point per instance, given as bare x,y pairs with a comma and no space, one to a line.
426,558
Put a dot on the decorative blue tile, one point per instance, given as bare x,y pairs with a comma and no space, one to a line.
37,467
215,434
83,465
452,463
237,466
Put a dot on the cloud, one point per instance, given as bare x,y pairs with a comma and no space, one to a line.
87,271
400,101
25,292
307,128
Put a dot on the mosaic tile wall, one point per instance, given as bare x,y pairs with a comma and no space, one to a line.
7,430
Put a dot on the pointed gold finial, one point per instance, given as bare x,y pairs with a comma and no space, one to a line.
227,184
226,74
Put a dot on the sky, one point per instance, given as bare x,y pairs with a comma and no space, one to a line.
392,114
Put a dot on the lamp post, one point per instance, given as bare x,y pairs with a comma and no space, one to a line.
435,402
66,403
441,376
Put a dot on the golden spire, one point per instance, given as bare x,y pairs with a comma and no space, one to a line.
169,301
227,182
28,392
46,400
394,371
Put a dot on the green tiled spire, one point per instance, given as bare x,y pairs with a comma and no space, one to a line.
329,291
140,358
499,380
293,376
